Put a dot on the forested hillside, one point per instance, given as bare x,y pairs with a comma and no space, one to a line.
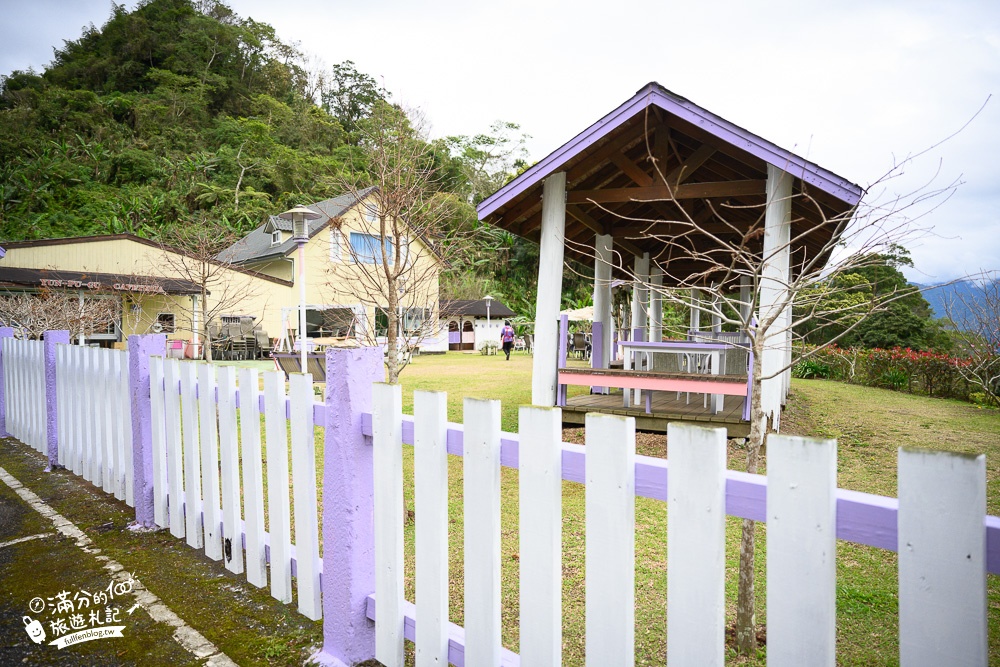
173,115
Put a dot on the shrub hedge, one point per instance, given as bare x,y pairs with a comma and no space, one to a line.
899,369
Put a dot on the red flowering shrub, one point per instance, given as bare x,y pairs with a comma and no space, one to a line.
899,369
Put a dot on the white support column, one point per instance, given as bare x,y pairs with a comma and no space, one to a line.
774,286
656,303
550,270
194,319
695,323
640,292
603,257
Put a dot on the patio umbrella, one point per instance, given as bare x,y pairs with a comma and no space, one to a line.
585,314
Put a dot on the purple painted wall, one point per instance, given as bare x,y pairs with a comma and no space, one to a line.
140,349
51,339
348,507
5,332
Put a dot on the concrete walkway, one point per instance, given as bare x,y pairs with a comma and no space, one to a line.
71,568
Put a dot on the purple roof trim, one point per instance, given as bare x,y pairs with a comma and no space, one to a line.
654,93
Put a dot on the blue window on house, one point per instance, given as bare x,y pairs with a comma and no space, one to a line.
365,248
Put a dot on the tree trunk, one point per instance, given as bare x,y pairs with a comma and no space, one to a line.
746,615
391,339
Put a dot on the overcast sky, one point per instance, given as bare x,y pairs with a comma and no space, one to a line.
851,85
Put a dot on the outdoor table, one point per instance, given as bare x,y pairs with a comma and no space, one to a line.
714,353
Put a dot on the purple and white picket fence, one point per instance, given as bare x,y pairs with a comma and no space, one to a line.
198,447
24,387
206,430
94,417
938,526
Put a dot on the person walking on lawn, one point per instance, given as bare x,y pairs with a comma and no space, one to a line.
507,338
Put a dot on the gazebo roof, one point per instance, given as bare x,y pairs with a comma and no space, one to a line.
714,168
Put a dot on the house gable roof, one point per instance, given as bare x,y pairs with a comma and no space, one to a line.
473,308
653,94
256,246
660,167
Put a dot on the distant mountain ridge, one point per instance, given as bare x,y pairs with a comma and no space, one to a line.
940,296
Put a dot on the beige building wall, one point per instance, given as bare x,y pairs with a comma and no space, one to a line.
332,278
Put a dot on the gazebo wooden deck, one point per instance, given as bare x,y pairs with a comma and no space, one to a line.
666,407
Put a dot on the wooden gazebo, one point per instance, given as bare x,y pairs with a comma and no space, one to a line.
642,174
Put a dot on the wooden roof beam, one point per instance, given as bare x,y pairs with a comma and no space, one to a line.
662,192
596,227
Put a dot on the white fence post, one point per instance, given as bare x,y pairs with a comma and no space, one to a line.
253,476
387,440
175,462
208,412
156,477
942,558
430,472
540,540
696,545
300,392
481,493
801,551
232,517
610,549
278,509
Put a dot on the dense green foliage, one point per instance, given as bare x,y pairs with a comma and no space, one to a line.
871,306
180,113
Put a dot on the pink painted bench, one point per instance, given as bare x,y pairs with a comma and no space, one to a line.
727,385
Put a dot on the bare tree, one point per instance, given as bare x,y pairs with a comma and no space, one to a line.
32,314
734,268
192,253
414,229
976,317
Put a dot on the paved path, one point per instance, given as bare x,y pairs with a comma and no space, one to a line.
64,541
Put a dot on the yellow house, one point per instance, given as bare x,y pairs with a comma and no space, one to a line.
158,289
346,294
151,284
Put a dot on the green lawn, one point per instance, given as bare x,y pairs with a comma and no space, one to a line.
869,424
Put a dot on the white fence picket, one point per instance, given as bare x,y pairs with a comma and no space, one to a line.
192,457
942,566
610,549
696,545
481,491
278,509
387,470
175,462
209,461
78,389
115,426
125,412
108,469
253,477
158,439
801,500
300,391
540,539
232,518
430,464
92,461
